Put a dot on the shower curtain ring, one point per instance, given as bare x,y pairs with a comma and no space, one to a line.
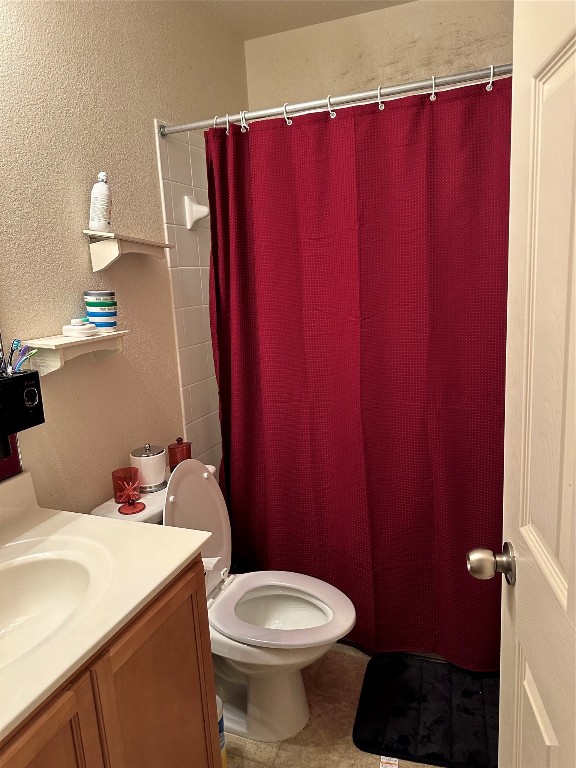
490,84
288,121
215,121
380,104
243,123
330,109
227,126
433,94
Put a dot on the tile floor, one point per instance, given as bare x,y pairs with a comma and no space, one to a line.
333,684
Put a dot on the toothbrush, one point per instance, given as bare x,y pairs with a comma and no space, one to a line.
3,370
22,351
22,360
13,348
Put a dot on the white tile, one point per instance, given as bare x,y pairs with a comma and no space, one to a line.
205,459
216,457
205,285
171,256
189,435
200,399
207,333
196,139
179,162
199,172
202,198
176,287
198,366
170,234
216,427
210,353
191,285
214,400
203,237
181,136
209,370
194,331
213,456
179,326
179,192
187,247
171,253
203,436
186,405
166,195
184,367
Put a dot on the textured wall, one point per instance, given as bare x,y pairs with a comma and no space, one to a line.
80,84
395,45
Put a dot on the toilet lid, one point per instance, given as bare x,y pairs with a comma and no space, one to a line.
194,500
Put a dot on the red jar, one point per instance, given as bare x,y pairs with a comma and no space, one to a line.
177,452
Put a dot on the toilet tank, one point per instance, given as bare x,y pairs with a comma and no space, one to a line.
154,506
151,514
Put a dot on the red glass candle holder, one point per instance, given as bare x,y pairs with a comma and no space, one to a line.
126,485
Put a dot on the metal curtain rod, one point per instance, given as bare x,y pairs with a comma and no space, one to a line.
380,94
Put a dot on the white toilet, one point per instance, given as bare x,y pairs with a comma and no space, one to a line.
265,627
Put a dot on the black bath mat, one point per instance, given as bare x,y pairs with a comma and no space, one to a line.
427,711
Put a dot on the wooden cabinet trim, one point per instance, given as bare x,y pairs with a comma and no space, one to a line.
207,688
139,630
110,736
85,725
74,707
24,748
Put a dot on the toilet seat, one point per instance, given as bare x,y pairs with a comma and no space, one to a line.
325,603
324,614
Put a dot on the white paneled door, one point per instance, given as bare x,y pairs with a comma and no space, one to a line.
538,675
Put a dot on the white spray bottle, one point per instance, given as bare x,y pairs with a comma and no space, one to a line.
100,205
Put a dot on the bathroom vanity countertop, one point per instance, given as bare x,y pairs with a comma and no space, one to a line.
82,577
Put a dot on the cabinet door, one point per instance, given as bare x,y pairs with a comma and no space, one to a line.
155,685
63,735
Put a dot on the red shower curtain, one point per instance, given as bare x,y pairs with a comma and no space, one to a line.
358,309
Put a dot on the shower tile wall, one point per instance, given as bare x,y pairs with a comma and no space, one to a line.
182,166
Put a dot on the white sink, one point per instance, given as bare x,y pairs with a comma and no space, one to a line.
44,586
68,583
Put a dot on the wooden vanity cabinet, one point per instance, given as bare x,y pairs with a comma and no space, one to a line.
147,701
155,684
63,735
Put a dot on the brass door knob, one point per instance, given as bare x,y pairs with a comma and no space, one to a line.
484,564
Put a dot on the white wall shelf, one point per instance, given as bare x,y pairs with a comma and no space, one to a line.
54,351
106,247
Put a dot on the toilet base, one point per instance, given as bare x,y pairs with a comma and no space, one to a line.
271,707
